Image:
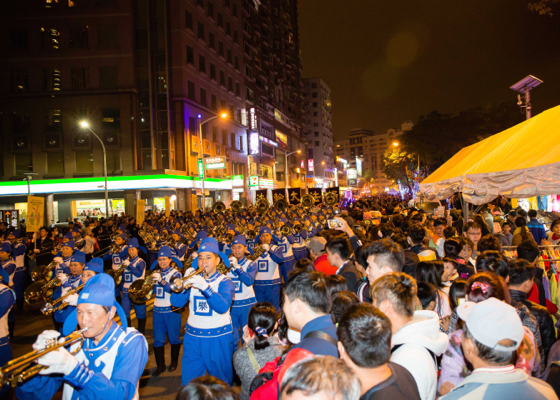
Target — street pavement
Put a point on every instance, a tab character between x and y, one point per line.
29	324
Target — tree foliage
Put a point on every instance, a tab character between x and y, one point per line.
437	137
543	7
400	165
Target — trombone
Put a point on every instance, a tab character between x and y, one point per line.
50	308
24	367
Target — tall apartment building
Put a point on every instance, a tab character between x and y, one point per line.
370	148
152	78
274	91
319	135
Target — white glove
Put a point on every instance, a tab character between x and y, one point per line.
44	339
65	290
126	262
58	260
59	362
198	282
72	299
156	276
265	247
63	278
233	262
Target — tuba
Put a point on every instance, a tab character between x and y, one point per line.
262	206
141	290
331	199
280	206
285	230
307	201
218	207
236	206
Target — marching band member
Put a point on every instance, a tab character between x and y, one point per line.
268	281
92	268
193	248
298	247
285	243
224	246
242	274
7	300
9	266
63	258
208	336
69	282
136	268
180	248
119	256
110	362
18	254
166	320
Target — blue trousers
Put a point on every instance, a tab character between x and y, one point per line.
126	304
5	356
270	293
239	316
207	354
167	324
286	267
19	277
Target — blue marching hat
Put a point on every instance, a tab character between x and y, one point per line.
165	251
201	235
16	233
133	242
69	236
4	276
210	245
100	290
7	247
265	229
69	243
79	257
95	265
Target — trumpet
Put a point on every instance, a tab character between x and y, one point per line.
50	308
24	367
177	284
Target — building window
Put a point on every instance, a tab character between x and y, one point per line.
224	137
200	3
18	39
234	10
80	78
55	163
20	80
203	96
190	88
113	160
220	48
78	37
211	42
107	36
210	10
23	163
201	31
314	104
248	50
232	138
235	36
83	161
316	134
240	143
201	64
314	95
108	77
188	20
220	20
215	134
212	71
315	113
222	105
190	55
230	84
315	124
228	29
229	57
317	143
50	38
237	89
248	72
222	79
236	63
214	101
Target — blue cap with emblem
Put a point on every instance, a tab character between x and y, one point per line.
78	257
199	236
210	245
266	229
69	243
69	236
99	290
165	251
95	265
7	247
239	239
133	242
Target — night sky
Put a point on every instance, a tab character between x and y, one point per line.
390	61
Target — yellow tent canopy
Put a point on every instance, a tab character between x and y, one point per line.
520	162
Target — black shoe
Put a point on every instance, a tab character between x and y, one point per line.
175	350
142	326
159	353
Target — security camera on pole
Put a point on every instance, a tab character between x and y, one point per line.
524	87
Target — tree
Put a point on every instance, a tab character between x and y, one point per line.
399	164
543	7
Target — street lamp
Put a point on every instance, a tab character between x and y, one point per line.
395	144
223	115
85	125
286	155
524	87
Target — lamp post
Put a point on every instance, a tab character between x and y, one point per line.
524	87
222	115
85	124
286	155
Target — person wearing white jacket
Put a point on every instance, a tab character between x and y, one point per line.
417	340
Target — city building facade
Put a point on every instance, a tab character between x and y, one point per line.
319	134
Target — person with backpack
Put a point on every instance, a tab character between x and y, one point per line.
260	347
416	338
